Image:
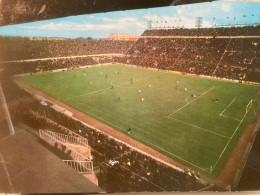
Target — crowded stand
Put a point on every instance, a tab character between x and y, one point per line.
48	65
232	31
32	48
235	58
231	58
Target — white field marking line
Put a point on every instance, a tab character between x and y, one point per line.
7	173
230	139
188	124
189	96
227	106
251	107
170	153
221	114
192	101
254	110
230	117
251	101
186	99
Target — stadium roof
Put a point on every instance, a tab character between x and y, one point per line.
21	11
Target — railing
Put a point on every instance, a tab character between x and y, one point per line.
84	167
47	136
72	133
68	138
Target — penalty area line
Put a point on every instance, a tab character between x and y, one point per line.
229	141
191	125
230	117
191	101
227	107
189	96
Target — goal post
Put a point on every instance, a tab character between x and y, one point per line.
249	106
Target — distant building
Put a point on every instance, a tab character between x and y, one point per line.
123	37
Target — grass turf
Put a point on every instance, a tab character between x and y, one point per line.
199	131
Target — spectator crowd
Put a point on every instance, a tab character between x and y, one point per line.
232	31
21	48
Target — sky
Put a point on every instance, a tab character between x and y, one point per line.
136	21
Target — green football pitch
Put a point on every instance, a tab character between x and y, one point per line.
197	126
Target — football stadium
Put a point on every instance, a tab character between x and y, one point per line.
174	109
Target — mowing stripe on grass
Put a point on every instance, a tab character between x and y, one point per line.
188	124
192	101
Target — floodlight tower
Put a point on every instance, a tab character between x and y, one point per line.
198	22
149	24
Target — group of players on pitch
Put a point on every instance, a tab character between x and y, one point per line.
139	91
